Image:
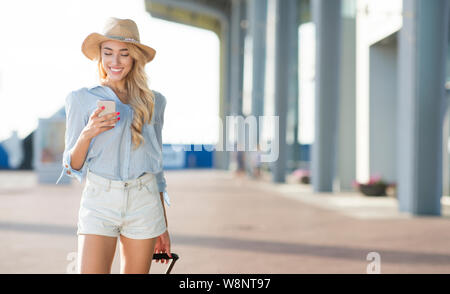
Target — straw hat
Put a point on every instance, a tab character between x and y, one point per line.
124	30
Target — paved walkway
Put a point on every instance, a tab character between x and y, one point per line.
220	224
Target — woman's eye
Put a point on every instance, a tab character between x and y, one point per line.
121	55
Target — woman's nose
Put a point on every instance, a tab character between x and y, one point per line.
116	60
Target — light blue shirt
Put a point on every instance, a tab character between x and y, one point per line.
111	153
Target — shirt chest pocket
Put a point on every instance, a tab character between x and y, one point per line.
103	144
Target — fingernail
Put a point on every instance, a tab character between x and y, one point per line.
103	107
118	118
118	113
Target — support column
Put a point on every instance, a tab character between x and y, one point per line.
238	14
221	156
284	80
292	124
446	129
257	29
238	28
256	35
445	157
346	163
422	57
327	18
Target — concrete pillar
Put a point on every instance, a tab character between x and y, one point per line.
285	81
238	25
445	155
446	129
292	124
256	56
346	163
422	57
257	28
327	19
221	156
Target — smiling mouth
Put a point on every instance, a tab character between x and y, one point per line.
116	70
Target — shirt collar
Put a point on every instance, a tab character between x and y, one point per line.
107	90
93	86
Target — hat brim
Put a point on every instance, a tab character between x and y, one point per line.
91	47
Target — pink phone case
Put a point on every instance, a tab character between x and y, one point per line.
110	107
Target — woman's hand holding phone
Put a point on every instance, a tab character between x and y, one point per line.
97	125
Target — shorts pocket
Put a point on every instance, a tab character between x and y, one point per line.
150	186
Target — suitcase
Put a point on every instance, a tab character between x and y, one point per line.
174	258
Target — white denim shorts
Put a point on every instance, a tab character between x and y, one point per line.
130	208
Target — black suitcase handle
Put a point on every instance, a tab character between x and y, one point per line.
174	258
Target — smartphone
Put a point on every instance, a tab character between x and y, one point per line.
110	107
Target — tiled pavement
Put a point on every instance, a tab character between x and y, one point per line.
222	224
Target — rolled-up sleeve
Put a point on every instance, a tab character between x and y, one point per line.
75	122
159	122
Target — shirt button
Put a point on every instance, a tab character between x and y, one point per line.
68	172
126	184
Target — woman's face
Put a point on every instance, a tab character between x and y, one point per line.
116	60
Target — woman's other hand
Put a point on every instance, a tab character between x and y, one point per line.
163	246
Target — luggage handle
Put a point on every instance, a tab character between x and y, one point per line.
174	258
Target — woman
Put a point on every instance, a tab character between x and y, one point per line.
121	156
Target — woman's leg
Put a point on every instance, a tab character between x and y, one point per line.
95	253
136	255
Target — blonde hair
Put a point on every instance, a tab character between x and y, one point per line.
141	98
